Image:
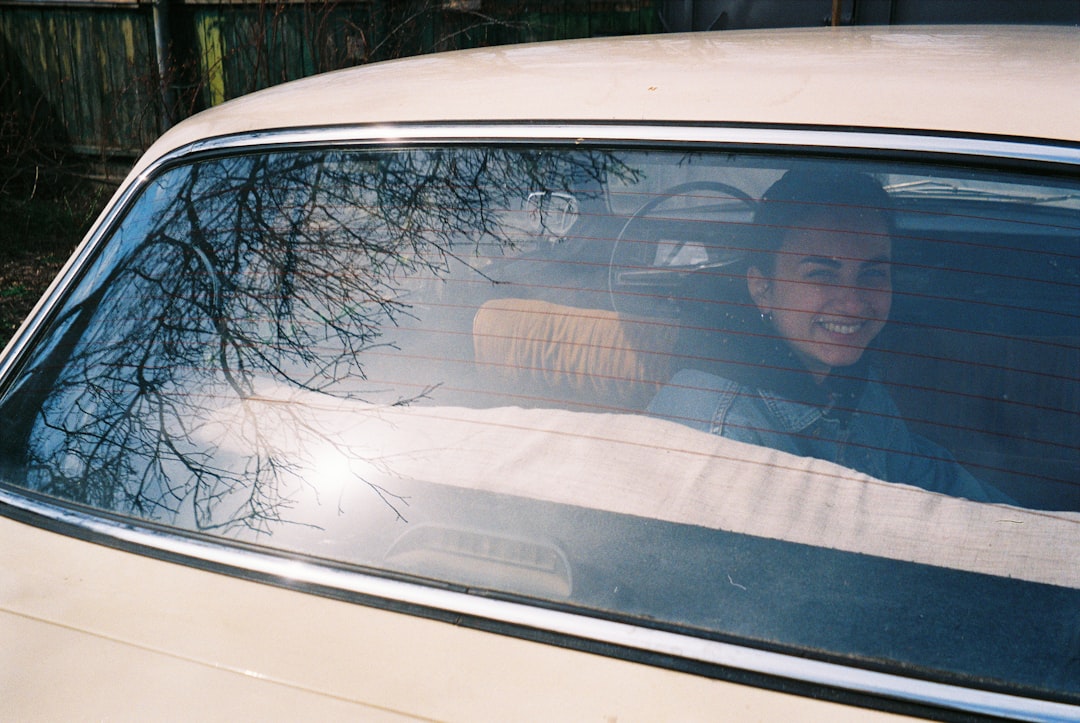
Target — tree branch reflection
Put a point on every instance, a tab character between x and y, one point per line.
287	267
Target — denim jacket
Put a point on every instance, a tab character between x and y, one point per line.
871	438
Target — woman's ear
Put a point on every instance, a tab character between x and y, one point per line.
760	288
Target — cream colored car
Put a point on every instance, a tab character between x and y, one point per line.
692	377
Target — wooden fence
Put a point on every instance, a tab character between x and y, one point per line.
105	78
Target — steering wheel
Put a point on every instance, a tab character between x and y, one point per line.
728	195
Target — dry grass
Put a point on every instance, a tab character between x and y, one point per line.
36	237
22	282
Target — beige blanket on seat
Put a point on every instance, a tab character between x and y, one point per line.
652	468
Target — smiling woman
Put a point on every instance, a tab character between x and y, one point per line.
820	276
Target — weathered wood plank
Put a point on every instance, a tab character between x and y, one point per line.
88	69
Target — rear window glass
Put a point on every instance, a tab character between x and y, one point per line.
820	405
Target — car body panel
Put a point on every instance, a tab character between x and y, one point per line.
918	78
175	638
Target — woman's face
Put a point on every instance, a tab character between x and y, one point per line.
831	287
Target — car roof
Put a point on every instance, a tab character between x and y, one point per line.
1018	81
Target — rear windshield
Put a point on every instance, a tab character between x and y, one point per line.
825	406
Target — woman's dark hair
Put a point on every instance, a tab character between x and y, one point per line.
803	192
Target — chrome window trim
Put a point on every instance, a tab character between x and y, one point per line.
773	664
836	139
289	572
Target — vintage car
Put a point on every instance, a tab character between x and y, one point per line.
687	377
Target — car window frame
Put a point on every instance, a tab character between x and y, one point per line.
656	646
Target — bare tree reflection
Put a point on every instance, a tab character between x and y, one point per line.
288	266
